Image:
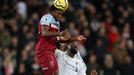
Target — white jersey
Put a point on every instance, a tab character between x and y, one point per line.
80	58
68	65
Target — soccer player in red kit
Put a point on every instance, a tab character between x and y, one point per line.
48	30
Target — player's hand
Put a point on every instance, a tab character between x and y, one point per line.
81	38
93	72
64	38
64	33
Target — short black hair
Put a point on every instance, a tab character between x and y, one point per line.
53	8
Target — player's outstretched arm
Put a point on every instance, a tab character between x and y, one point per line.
47	33
71	38
77	38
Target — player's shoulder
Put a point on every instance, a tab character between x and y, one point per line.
81	64
58	52
47	16
79	60
46	19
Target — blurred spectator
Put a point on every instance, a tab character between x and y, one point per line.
92	63
5	39
24	63
7	8
130	49
89	39
107	25
90	8
99	50
8	63
8	66
36	68
14	43
102	35
113	37
12	26
22	9
22	69
75	3
126	32
95	25
127	68
1	25
119	52
109	66
72	28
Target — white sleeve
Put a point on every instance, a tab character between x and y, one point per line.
46	20
58	53
78	56
81	71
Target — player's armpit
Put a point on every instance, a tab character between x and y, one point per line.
47	33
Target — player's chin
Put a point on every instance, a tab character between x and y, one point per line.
74	51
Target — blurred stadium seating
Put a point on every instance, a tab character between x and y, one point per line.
107	25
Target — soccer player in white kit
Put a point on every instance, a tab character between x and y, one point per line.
70	62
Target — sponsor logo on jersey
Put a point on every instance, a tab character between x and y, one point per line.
46	68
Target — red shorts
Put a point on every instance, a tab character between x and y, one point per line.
47	62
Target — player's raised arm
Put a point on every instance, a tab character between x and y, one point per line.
77	38
47	33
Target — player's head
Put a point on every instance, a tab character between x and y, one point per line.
58	7
73	47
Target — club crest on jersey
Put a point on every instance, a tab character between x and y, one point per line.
52	63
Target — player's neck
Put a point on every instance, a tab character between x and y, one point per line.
70	54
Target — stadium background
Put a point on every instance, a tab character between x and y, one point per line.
107	24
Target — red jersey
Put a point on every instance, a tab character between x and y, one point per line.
47	43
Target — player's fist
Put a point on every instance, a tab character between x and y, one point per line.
64	38
64	33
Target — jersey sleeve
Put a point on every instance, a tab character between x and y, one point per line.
46	20
82	70
58	53
78	56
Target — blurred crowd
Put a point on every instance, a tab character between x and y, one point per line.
107	25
